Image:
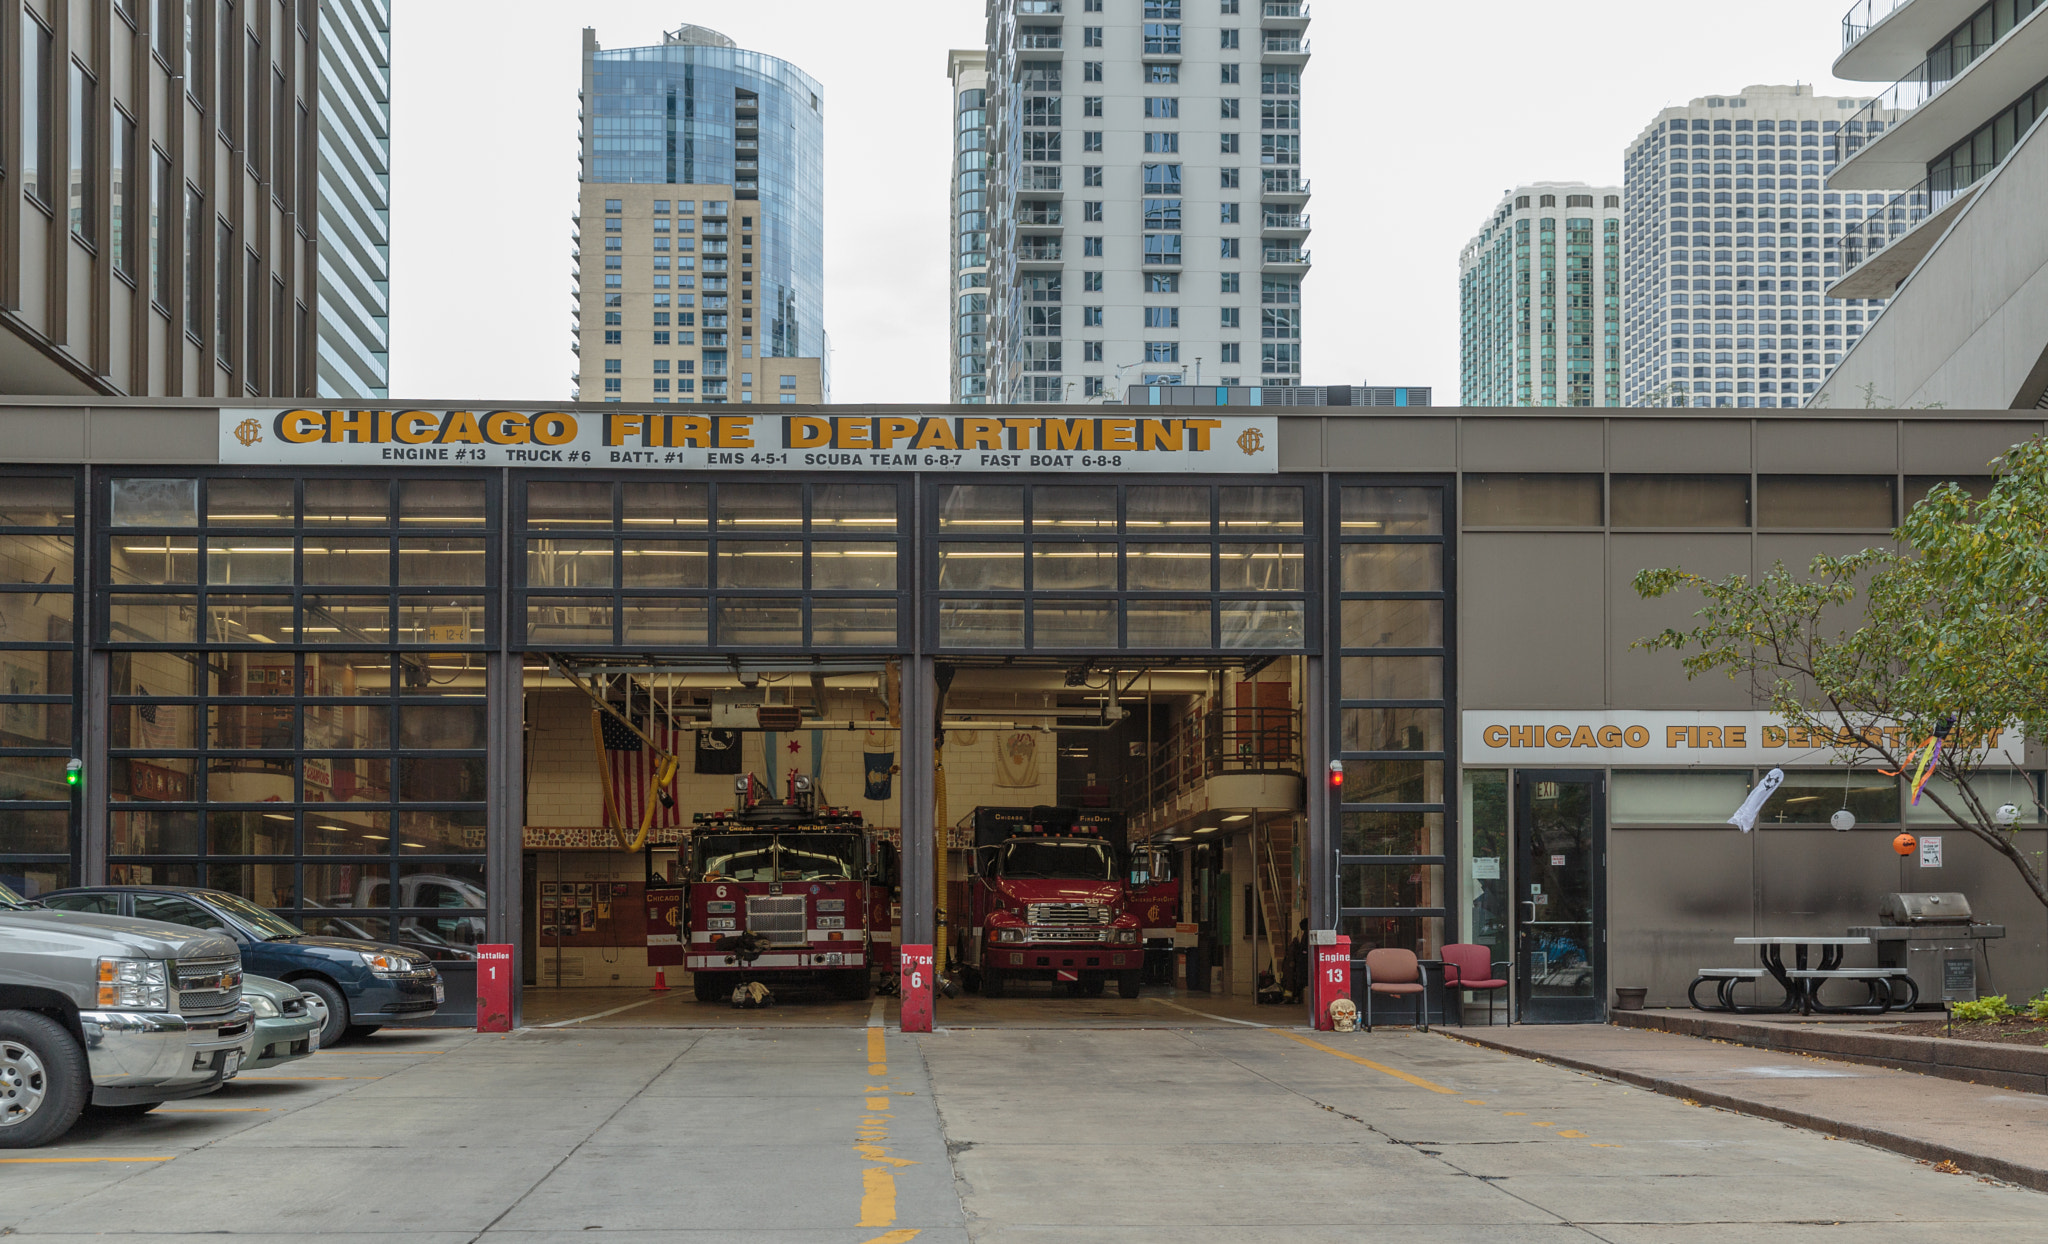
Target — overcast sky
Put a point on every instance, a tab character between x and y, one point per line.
1414	121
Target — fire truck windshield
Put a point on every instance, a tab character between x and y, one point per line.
1076	858
821	857
736	857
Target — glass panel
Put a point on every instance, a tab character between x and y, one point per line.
436	727
350	886
981	567
1167	624
1692	797
569	563
152	559
36	559
154	833
1394	730
1067	508
1422	934
347	620
348	727
659	506
867	623
1555	879
37	725
1810	798
1390	885
1992	787
666	563
981	623
777	622
855	509
1392	511
249	619
348	503
1168	567
1256	511
667	622
27	832
37	501
432	562
266	885
34	880
981	509
249	833
761	564
249	779
1260	567
347	779
1393	781
1393	623
777	507
1393	567
846	566
1918	486
130	619
250	561
159	673
154	503
1484	828
233	502
1073	624
442	832
441	502
569	504
347	562
440	779
173	909
347	673
1532	501
1177	510
229	727
1073	567
335	831
366	928
1681	500
569	619
1832	502
1265	624
156	780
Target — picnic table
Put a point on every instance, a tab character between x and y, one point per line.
1801	981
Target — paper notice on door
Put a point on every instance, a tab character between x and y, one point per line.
1557	861
1930	852
1486	868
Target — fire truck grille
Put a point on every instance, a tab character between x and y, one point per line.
1089	916
780	919
1090	933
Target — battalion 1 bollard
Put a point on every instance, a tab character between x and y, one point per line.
1332	975
494	988
916	1012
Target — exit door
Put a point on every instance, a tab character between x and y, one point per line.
1560	912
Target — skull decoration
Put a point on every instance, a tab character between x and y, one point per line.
1344	1015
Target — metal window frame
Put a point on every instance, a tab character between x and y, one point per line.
71	856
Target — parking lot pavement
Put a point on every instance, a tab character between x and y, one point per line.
850	1135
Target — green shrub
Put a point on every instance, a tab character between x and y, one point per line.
2038	1008
1983	1009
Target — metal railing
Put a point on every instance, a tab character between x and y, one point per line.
1287	45
1865	14
1032	250
1039	216
1285	8
1284	182
1286	254
1912	91
1035	8
1039	43
1906	211
1286	220
1206	745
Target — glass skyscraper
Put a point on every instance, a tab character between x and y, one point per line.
1539	293
719	124
355	198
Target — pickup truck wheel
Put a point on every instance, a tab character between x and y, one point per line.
1127	984
336	1026
991	983
44	1082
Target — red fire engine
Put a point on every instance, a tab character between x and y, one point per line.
1050	899
788	891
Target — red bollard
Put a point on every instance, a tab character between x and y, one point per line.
916	1014
494	988
1332	976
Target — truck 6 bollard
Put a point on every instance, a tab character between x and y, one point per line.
1049	900
915	1014
1332	976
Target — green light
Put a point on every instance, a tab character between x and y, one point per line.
74	773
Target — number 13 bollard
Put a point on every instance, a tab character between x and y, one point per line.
916	1015
1332	975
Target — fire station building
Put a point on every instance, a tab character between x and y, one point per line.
1371	671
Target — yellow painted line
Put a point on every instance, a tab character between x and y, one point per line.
272	1079
904	1236
1514	1112
878	1053
877	1198
875	1153
1395	1072
218	1110
878	1103
1472	1101
72	1161
1598	1145
1533	1123
1573	1135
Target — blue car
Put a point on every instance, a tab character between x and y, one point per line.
363	984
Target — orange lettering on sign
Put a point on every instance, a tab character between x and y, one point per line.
1495	736
937	434
736	432
1610	736
806	431
1583	737
1674	736
1560	736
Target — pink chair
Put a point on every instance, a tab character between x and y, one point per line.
1471	967
1394	972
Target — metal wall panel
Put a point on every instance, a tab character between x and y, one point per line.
1532	444
1371	443
1691	446
1525	640
1675	899
1655	680
1828	446
1964	448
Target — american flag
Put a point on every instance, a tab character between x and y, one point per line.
630	764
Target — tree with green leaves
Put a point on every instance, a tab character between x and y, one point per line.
1944	636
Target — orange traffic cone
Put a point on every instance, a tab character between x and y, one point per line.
660	981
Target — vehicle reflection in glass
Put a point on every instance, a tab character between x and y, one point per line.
1078	858
736	857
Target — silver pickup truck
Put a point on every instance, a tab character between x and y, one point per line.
109	1012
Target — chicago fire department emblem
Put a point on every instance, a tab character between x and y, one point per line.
1252	441
248	431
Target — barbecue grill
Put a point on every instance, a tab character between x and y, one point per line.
1933	937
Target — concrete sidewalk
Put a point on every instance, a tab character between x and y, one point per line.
1981	1128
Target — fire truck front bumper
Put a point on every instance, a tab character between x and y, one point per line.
776	961
1063	962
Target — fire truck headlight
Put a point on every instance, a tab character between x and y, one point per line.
1126	937
1010	935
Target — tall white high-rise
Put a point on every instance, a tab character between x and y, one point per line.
1145	215
967	297
355	198
1731	246
1539	299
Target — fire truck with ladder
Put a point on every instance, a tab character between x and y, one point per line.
788	891
1050	899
